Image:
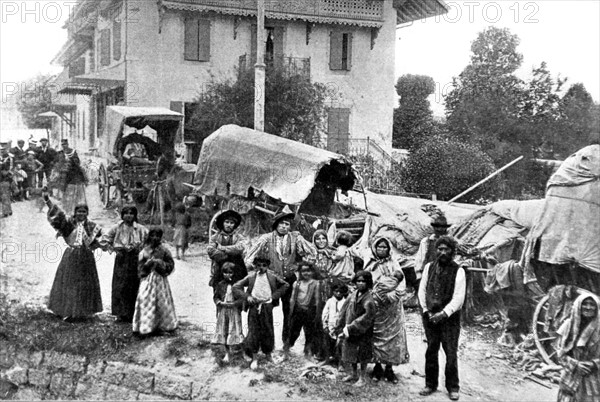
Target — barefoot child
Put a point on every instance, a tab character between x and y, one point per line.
229	312
355	328
329	318
154	307
182	221
303	309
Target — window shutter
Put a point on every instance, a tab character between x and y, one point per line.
117	40
204	40
191	33
105	47
253	34
335	51
338	130
349	66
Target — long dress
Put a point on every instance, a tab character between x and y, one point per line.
579	343
389	332
323	265
229	318
127	242
5	193
154	307
72	179
76	288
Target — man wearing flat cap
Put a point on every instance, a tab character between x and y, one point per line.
285	248
227	246
47	155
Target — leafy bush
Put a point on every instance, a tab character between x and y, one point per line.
446	167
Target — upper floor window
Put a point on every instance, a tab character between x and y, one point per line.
105	47
340	51
197	39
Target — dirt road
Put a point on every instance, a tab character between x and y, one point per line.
30	256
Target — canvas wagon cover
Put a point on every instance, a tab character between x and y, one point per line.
242	157
568	229
117	115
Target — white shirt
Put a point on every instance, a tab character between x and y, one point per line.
458	297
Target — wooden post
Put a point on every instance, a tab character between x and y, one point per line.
259	69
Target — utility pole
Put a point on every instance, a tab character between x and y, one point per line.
259	69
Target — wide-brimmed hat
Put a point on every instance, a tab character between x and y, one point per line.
440	221
229	214
285	213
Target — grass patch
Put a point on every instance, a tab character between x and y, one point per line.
35	329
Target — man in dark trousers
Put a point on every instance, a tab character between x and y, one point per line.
284	248
47	156
441	295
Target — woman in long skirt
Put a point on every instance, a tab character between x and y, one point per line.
76	289
126	239
154	307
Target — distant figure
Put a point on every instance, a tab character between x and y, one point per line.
72	179
6	183
47	156
19	152
32	166
182	222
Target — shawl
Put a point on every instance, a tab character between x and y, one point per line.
572	335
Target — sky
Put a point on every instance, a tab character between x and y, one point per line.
564	33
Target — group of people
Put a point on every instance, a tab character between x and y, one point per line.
349	308
23	169
140	289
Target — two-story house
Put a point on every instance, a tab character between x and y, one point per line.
162	53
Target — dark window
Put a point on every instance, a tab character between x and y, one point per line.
117	40
105	47
197	39
77	67
340	52
338	130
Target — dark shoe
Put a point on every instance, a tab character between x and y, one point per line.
453	395
390	376
377	373
427	391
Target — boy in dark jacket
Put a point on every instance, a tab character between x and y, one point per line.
263	290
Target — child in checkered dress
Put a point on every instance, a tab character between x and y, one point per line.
154	307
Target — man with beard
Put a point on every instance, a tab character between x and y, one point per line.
284	248
441	295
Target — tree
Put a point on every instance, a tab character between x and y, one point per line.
413	118
294	107
445	166
579	120
35	98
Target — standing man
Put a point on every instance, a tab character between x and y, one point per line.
284	249
19	153
441	295
47	156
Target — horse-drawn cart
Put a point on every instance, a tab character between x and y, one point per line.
138	147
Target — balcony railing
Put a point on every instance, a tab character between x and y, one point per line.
291	65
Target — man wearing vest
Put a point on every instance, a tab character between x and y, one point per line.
441	295
284	248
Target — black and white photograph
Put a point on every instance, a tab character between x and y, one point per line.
300	200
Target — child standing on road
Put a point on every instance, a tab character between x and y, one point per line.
303	309
329	318
229	312
182	221
154	307
20	177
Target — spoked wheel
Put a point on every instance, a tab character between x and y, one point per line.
103	186
546	339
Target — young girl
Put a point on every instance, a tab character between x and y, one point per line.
329	318
21	178
343	261
303	309
154	308
355	328
229	312
182	221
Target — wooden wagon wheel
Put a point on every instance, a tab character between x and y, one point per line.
545	339
103	186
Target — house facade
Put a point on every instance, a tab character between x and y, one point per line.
163	53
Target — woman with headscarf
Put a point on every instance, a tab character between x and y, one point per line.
322	267
389	335
126	239
579	352
76	289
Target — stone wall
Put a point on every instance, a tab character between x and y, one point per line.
52	375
